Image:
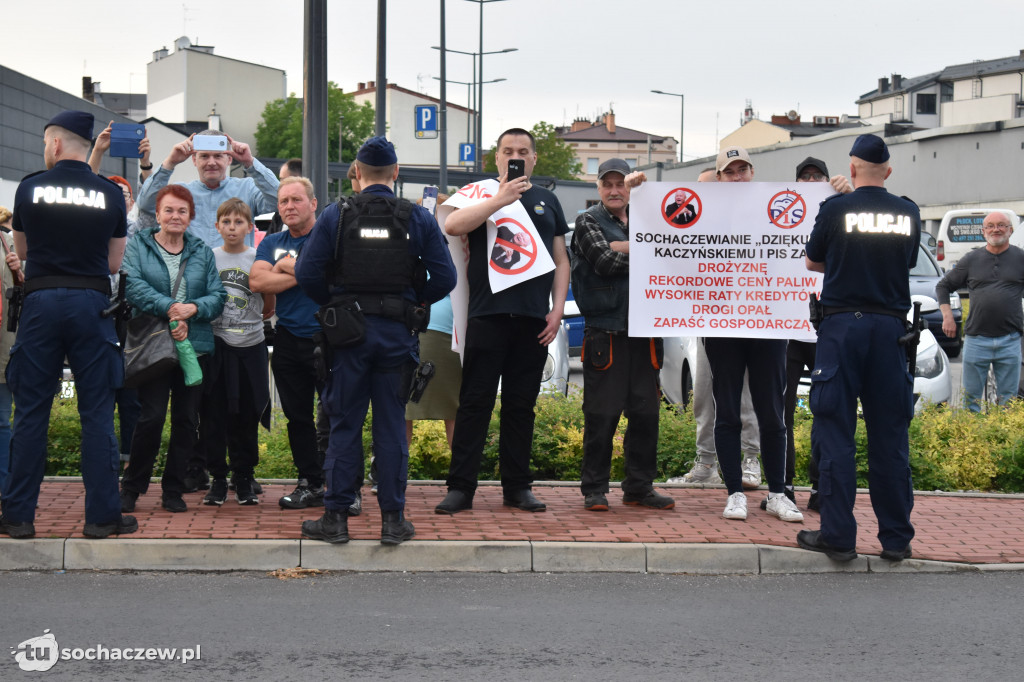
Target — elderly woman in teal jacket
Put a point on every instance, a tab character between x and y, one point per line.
152	262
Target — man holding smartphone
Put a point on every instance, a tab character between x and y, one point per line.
507	333
213	152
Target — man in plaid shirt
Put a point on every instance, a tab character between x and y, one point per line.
620	373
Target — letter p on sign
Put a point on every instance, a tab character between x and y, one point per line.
426	121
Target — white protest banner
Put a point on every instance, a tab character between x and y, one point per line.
722	259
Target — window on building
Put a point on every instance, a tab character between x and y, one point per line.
946	92
592	165
925	103
630	146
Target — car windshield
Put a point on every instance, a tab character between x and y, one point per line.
925	267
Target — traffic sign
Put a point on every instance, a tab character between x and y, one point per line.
426	121
467	154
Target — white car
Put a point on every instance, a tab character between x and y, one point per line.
556	367
932	379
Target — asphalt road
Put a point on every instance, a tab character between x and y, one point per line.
524	626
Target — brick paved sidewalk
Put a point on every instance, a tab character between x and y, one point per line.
972	529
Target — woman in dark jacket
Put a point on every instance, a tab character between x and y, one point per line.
152	261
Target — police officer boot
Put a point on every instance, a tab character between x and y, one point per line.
331	527
395	528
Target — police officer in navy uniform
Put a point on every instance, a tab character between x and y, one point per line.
865	243
70	229
368	259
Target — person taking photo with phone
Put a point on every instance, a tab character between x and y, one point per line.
213	152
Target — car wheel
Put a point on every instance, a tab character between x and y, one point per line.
686	385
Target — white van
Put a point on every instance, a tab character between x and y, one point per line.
960	232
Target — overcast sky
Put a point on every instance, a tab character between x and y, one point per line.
574	58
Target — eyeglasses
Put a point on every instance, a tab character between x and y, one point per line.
813	177
993	226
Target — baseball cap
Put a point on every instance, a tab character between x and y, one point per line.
78	122
613	166
730	154
811	161
871	148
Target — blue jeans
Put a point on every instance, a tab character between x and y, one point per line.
1003	354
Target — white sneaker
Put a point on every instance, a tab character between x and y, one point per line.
751	473
783	508
736	507
700	473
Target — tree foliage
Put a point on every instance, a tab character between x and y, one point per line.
279	134
555	158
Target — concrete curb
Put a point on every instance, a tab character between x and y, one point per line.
449	556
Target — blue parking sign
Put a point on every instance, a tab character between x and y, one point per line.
467	154
426	121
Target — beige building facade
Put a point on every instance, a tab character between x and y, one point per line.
596	142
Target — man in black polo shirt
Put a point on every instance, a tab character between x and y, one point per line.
506	337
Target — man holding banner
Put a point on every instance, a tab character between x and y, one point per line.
764	360
620	371
510	323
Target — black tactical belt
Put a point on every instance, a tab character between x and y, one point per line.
826	311
390	306
100	284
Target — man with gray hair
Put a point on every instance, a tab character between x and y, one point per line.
995	277
620	371
214	186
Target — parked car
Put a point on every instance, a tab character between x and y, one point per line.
923	279
932	379
556	367
960	232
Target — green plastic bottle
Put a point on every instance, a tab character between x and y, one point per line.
188	360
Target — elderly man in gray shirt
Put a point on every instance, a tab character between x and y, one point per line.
994	276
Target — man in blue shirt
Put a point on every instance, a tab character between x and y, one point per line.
374	270
214	186
292	360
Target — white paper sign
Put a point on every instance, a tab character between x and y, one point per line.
722	259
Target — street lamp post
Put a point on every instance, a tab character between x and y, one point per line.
682	114
479	82
469	85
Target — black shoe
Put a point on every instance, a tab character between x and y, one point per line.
218	493
195	480
25	529
395	528
256	487
811	539
173	502
303	496
331	527
896	554
454	502
126	524
244	492
595	502
128	498
524	499
356	508
650	499
814	502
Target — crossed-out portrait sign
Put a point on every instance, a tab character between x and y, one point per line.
737	269
681	207
514	247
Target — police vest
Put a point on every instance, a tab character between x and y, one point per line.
371	254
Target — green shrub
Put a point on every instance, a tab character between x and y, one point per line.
949	449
